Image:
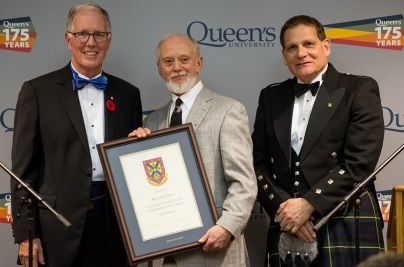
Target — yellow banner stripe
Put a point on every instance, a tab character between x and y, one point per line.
334	33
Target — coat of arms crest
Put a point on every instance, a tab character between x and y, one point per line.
155	171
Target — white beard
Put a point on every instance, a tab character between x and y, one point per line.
181	88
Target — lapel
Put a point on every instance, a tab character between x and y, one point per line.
282	109
70	102
200	108
328	99
110	117
163	116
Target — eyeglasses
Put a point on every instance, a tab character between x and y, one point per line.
84	36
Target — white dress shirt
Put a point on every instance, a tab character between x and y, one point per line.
301	114
188	100
92	108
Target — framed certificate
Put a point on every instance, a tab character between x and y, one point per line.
159	191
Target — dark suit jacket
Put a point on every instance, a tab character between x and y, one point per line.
342	143
50	151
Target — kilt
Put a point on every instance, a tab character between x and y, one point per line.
336	239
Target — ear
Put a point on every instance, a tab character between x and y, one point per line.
200	63
284	57
327	47
109	39
68	38
158	68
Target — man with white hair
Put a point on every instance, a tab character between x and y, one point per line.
60	118
222	132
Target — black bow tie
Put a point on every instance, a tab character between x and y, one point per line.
301	88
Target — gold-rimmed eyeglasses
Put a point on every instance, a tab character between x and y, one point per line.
84	36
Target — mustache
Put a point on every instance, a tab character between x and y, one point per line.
178	75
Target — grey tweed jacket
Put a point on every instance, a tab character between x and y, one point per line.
222	132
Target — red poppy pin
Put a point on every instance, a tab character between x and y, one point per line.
111	106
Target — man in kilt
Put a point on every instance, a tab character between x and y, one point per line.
316	136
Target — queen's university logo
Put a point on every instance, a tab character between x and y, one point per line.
17	34
155	171
380	32
5	208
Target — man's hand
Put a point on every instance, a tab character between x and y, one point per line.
293	213
306	232
140	132
216	238
37	253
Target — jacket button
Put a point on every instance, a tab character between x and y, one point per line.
89	174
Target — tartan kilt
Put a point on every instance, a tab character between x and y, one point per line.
336	239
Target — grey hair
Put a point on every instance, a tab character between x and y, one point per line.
86	5
195	44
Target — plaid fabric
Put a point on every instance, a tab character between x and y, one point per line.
336	239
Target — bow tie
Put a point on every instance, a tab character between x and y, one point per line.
301	88
78	82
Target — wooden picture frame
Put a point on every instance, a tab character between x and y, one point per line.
160	192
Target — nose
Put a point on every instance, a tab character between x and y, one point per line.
177	66
301	52
91	40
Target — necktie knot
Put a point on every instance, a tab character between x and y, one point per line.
178	103
301	89
78	82
176	116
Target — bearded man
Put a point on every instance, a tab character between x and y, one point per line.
222	132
